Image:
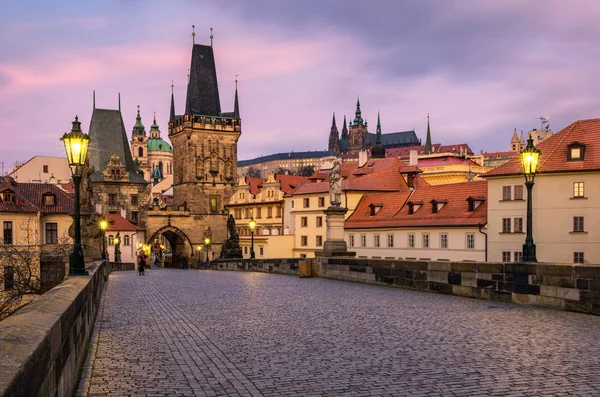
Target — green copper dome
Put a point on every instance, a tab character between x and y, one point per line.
159	145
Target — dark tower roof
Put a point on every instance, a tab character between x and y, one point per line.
378	150
334	137
333	126
358	120
107	136
344	129
428	141
203	91
172	116
236	105
138	128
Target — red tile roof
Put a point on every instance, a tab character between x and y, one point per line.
67	187
119	224
28	198
255	184
289	182
445	160
553	156
500	154
395	212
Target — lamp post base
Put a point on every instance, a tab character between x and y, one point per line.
529	254
76	263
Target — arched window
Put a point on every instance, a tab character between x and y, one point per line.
111	240
160	166
140	152
126	240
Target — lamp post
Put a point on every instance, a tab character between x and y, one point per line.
103	224
252	226
207	244
529	160
76	145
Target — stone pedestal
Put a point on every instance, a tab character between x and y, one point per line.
335	245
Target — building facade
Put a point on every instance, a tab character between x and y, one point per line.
42	169
286	163
151	152
565	208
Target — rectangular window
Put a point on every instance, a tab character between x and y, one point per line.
363	240
51	233
578	224
518	225
214	204
376	240
319	241
505	225
443	240
258	212
319	221
306	202
245	250
518	192
304	241
351	237
292	203
45	169
304	221
134	199
505	256
112	199
49	199
470	241
261	251
9	278
279	212
390	240
7	235
578	257
426	241
135	216
302	255
321	201
269	212
518	256
506	192
578	189
411	240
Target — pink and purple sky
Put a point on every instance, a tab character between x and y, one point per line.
480	68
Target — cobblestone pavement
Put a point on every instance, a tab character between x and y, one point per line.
216	333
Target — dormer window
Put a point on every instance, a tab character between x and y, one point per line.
49	199
375	208
474	202
437	205
413	206
8	196
575	151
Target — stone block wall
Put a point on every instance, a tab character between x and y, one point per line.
43	345
558	286
280	266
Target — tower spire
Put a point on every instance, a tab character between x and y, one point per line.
428	141
358	120
378	150
172	115
211	36
138	128
344	129
119	101
193	35
333	125
94	99
334	137
236	105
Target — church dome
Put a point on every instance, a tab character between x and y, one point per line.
378	151
159	145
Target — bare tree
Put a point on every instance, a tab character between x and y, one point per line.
20	266
307	170
253	172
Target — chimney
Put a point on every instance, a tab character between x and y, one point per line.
363	156
414	158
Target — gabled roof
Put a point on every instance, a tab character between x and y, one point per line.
395	214
29	198
255	184
119	224
107	136
203	91
553	156
391	139
290	182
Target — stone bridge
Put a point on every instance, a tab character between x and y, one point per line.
248	333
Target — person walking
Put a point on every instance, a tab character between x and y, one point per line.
141	264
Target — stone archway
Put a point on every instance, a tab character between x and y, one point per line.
180	244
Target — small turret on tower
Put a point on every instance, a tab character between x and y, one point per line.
514	142
378	150
334	137
138	128
428	148
236	105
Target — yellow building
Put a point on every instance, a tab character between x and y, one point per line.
565	200
263	200
445	168
35	219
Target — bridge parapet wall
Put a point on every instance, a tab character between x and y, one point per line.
43	345
559	286
280	266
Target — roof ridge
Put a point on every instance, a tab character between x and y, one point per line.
570	128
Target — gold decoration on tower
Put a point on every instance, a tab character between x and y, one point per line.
193	34
211	36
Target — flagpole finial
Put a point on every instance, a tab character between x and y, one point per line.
211	36
193	34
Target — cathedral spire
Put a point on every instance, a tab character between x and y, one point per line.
333	125
138	128
172	116
236	104
334	137
428	149
358	120
345	129
378	150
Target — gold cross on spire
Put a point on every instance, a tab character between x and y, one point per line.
211	36
193	34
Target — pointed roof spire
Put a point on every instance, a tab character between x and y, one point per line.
333	125
236	104
193	35
94	99
138	128
428	141
344	130
358	120
522	139
172	115
378	150
119	101
515	138
202	89
211	36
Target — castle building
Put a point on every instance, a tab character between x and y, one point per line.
117	188
204	164
150	153
357	137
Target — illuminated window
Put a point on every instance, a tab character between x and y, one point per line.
578	189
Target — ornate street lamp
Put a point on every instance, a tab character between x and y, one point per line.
207	244
103	225
76	145
529	160
252	226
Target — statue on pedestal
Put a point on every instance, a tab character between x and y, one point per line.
231	248
335	184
